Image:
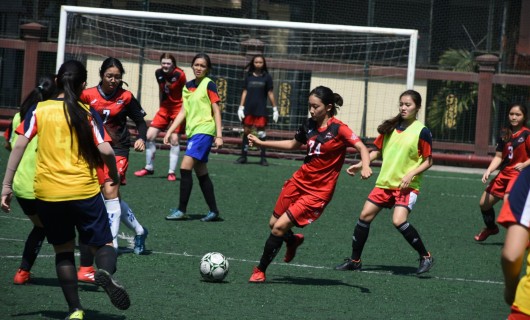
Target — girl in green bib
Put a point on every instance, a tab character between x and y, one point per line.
405	146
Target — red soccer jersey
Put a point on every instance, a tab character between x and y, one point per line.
514	151
170	86
114	110
326	151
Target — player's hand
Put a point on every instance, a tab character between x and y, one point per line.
485	176
241	113
167	139
253	140
275	114
139	145
519	167
354	168
218	142
7	196
405	181
366	173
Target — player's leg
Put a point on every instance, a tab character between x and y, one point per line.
112	204
487	201
244	144
33	242
263	136
272	246
208	192
174	152
129	219
186	185
150	150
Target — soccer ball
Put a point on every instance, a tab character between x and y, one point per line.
214	266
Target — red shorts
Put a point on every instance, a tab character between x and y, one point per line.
255	121
302	208
164	117
388	198
506	217
500	185
122	163
517	315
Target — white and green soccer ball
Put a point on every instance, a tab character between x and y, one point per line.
214	267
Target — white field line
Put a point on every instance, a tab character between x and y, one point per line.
306	266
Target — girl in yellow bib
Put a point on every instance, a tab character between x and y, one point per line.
72	145
405	146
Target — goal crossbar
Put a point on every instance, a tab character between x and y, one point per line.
411	33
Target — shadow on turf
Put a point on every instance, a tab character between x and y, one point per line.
192	217
313	282
53	282
397	270
49	314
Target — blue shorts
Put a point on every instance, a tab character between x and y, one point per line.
88	216
199	146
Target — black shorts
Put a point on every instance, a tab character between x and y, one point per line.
88	216
29	206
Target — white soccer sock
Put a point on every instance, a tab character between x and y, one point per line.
150	150
128	219
114	212
173	158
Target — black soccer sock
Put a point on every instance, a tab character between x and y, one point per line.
489	218
186	184
208	192
32	247
244	145
106	258
289	237
360	235
272	246
67	275
263	150
86	257
413	238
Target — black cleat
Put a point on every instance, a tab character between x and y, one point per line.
241	160
426	263
117	294
350	265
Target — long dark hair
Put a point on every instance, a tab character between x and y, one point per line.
390	124
506	133
71	79
327	96
250	66
46	89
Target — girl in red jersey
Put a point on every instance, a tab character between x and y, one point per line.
253	107
404	144
114	104
171	80
301	200
511	156
72	145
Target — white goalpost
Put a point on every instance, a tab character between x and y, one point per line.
368	66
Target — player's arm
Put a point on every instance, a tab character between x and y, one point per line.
12	164
178	120
494	164
512	256
218	140
276	144
137	114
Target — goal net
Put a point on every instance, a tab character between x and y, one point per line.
369	67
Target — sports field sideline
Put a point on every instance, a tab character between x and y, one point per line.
465	282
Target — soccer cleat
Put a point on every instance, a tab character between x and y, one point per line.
426	263
291	249
86	274
171	177
144	172
263	162
175	214
117	294
211	216
241	160
485	233
350	265
139	242
22	277
76	315
257	276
